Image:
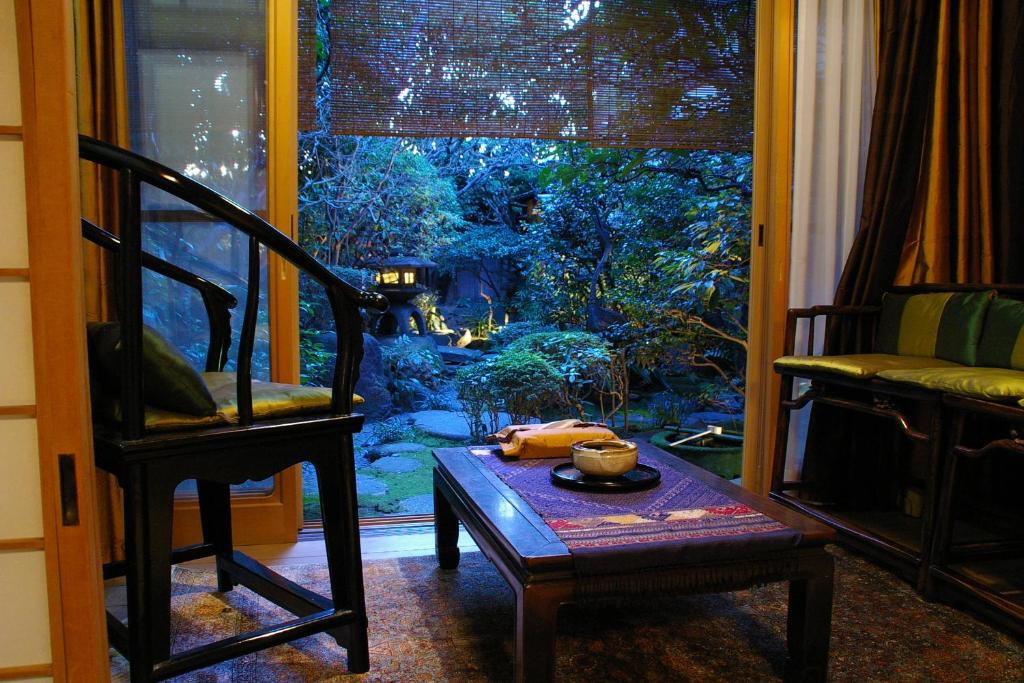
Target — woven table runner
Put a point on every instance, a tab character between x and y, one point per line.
679	521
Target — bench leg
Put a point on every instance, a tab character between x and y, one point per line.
536	626
446	530
809	624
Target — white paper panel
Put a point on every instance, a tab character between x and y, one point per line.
17	381
13	225
21	514
10	94
25	628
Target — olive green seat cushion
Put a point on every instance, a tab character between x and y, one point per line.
945	325
999	384
860	365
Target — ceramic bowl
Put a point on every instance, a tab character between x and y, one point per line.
610	458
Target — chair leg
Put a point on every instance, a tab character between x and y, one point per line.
336	480
148	503
215	515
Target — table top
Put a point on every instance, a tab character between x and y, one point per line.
527	540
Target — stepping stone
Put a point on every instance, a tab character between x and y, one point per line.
396	464
456	356
447	424
418	505
370	486
396	448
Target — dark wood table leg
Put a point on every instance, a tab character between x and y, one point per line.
809	624
446	529
536	626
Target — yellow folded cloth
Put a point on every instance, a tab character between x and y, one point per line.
549	440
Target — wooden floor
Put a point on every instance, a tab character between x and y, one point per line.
378	543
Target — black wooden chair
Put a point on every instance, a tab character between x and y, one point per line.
229	448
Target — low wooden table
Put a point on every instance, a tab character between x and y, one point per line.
540	568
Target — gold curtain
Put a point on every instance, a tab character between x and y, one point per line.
102	114
951	232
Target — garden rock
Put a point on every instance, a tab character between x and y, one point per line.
394	449
373	380
448	424
396	464
456	356
370	486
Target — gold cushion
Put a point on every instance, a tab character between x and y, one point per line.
860	365
155	419
999	384
269	400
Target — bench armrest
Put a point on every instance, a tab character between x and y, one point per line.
831	313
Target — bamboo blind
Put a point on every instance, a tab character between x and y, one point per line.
637	73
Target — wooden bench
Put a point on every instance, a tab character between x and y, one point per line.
922	396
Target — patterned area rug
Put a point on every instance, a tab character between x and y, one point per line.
430	625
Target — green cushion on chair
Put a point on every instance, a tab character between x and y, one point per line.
943	325
998	384
169	381
860	365
1002	340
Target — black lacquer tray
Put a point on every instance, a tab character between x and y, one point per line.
637	479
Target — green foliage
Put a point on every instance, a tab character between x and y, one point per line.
586	364
668	408
504	336
521	383
415	369
391	430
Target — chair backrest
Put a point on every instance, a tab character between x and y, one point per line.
345	300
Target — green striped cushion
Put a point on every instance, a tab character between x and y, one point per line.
1002	340
943	325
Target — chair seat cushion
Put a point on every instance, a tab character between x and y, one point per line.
269	400
859	365
1000	384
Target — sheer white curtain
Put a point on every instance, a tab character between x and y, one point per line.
835	87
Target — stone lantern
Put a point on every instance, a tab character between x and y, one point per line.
400	279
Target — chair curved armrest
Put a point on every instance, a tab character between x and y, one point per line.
223	209
217	300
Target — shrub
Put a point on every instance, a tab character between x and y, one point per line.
416	371
587	366
391	430
504	336
522	383
669	408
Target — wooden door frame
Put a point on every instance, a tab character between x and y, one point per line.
275	517
771	224
78	634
